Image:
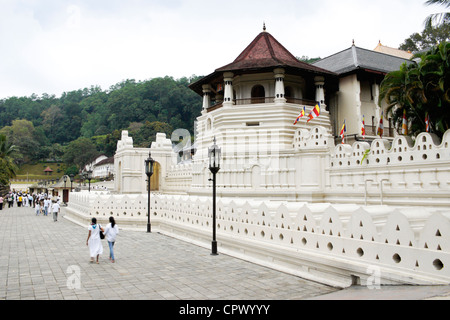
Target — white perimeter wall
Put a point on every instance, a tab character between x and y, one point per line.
333	244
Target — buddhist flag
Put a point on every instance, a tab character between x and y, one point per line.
315	112
343	131
301	115
363	128
380	126
427	123
404	123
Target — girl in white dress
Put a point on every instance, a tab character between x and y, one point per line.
93	240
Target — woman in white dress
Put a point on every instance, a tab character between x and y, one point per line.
93	240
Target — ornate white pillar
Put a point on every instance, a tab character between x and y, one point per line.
320	92
206	98
228	94
279	86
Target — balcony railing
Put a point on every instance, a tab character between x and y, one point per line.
248	101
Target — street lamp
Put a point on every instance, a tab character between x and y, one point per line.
65	179
89	177
214	166
149	163
71	181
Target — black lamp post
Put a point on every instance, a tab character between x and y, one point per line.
89	177
65	179
149	163
214	166
71	181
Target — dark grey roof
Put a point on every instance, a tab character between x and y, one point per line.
356	58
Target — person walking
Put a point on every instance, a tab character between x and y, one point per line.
37	208
111	232
46	205
25	200
19	200
10	200
55	209
93	240
30	200
1	202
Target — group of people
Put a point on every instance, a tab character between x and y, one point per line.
43	204
19	198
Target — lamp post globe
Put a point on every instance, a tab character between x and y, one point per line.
214	154
149	167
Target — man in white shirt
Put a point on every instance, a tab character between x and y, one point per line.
55	209
47	202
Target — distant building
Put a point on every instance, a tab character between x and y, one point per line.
393	51
104	169
48	171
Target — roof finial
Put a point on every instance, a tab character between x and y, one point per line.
264	26
353	42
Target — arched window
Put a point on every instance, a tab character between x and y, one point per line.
258	94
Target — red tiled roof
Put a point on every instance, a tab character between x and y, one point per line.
266	52
48	169
263	53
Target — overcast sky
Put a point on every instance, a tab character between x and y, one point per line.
52	46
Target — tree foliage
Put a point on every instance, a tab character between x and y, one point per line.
421	88
441	17
430	36
8	168
80	152
45	127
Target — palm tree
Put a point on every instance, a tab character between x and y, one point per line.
8	168
403	90
438	18
421	88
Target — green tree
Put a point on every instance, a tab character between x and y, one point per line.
146	134
8	168
80	152
50	117
430	36
26	138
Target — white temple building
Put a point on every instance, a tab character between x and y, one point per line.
292	196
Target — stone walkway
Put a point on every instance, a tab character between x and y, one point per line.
45	260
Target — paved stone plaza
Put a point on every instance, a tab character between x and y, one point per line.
45	260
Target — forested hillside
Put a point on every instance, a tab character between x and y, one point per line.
84	123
